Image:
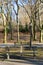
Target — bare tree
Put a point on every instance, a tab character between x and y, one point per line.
30	16
16	13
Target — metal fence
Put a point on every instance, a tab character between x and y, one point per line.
23	51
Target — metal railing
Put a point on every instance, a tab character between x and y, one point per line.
23	50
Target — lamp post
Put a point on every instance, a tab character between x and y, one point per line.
30	28
31	25
17	20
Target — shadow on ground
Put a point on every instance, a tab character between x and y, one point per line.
33	61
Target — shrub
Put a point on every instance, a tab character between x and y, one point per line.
26	27
20	28
23	29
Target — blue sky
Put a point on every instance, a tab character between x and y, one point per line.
12	13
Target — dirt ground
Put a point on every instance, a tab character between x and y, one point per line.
24	37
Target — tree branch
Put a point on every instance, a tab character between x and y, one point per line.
24	8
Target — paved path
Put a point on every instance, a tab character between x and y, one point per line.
21	62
